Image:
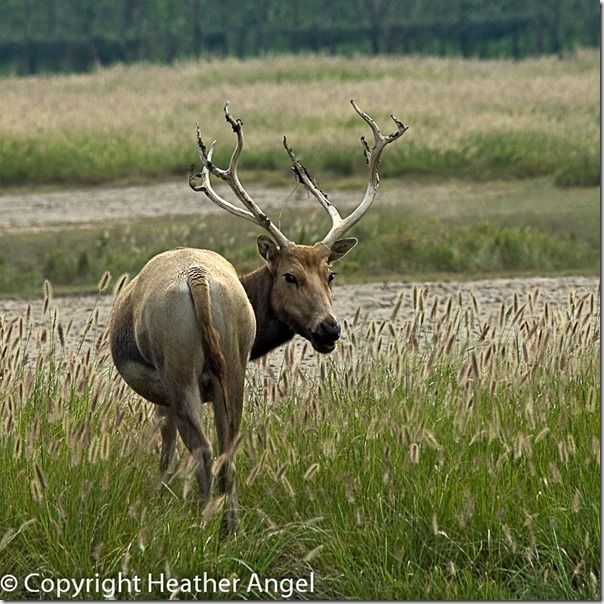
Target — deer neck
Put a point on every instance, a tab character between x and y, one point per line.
270	330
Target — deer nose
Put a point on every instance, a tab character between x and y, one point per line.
329	330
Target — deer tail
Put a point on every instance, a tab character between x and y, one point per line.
199	286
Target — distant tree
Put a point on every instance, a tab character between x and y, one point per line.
196	41
378	13
31	63
126	24
76	34
51	18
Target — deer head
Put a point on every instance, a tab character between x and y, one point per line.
296	282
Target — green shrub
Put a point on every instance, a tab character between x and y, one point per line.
580	170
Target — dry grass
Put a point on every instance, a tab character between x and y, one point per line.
451	105
452	96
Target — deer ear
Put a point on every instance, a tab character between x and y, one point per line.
341	248
267	248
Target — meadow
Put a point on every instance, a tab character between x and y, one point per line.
416	230
451	451
469	118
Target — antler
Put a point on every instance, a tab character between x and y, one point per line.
372	156
253	213
309	182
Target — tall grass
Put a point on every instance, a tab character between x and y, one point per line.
454	454
471	118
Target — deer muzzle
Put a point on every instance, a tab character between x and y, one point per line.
325	335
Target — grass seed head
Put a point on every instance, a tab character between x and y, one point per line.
313	553
36	490
104	282
311	471
414	453
47	294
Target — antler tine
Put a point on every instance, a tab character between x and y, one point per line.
366	149
237	126
253	213
380	141
400	128
309	182
206	156
370	121
372	156
206	187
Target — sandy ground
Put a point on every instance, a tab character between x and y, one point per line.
30	211
27	212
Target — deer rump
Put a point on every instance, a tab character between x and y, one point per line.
181	322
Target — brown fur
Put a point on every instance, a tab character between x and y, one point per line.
273	332
183	330
284	308
198	280
181	333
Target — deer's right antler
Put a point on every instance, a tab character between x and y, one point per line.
372	155
201	182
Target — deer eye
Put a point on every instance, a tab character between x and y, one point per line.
290	278
331	277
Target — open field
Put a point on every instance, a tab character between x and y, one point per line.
417	229
470	118
450	448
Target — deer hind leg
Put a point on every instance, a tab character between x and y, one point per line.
145	380
227	428
187	413
168	439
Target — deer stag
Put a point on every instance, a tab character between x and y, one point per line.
183	330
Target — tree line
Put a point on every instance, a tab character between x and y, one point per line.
75	35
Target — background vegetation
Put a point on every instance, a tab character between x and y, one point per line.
76	35
471	121
468	118
416	231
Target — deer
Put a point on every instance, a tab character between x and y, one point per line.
183	329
